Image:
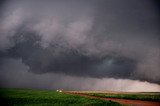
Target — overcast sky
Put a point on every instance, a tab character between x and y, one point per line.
80	44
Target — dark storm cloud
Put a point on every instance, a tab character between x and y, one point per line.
107	38
14	74
58	59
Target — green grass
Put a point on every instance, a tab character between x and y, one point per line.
24	97
132	96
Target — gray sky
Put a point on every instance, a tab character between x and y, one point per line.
96	40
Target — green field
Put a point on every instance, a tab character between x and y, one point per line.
132	96
24	97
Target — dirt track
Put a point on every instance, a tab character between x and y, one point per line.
121	101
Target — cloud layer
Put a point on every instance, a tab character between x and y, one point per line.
98	39
11	76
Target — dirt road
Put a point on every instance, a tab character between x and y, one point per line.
121	101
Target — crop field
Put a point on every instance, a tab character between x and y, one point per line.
24	97
133	96
125	98
147	96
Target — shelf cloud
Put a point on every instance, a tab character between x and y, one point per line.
105	39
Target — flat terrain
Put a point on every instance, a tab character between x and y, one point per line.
132	98
24	97
147	96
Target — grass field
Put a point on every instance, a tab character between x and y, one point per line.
24	97
133	96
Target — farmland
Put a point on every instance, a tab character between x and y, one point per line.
132	96
26	97
125	98
29	97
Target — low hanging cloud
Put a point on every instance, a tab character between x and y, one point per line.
98	39
15	75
